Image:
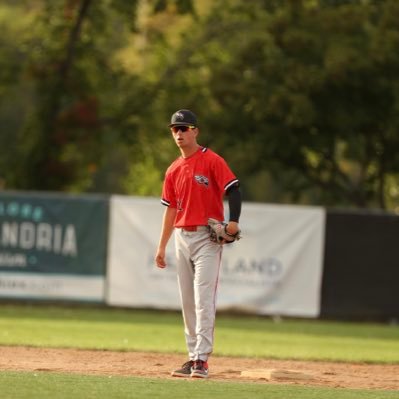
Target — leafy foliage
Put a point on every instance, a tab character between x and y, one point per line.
300	96
307	94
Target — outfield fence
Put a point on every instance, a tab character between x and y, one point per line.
294	261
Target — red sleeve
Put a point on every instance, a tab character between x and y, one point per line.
224	177
168	192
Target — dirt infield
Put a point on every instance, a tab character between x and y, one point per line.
154	365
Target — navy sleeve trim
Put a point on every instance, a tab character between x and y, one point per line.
231	183
164	202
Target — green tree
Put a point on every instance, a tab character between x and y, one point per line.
308	94
15	97
85	106
301	96
72	67
337	96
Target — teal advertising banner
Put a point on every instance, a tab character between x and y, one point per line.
53	246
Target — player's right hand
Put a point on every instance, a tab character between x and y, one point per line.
160	258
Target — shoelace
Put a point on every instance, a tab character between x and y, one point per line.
188	365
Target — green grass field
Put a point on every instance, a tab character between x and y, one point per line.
67	386
132	330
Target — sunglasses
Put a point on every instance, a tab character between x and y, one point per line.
183	129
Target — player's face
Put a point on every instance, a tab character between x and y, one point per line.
185	136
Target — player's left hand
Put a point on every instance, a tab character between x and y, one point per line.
232	228
222	233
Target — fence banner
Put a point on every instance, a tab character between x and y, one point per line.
53	246
275	269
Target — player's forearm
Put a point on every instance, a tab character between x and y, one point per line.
234	197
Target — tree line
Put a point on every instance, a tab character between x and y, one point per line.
300	96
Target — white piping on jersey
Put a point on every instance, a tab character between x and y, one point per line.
229	184
164	202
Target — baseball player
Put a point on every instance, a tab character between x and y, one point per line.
193	191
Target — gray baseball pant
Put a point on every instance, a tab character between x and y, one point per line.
198	265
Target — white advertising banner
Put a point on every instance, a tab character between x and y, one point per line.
275	269
52	286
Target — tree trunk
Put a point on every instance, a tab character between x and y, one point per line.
48	161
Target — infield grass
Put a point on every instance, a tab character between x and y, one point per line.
15	385
157	331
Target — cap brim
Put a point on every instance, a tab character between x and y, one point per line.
181	124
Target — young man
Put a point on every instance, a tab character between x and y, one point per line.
193	191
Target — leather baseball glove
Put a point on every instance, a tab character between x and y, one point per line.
219	234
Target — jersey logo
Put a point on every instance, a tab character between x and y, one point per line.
202	180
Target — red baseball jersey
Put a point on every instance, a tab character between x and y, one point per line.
196	186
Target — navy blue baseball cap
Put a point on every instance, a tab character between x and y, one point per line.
183	117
